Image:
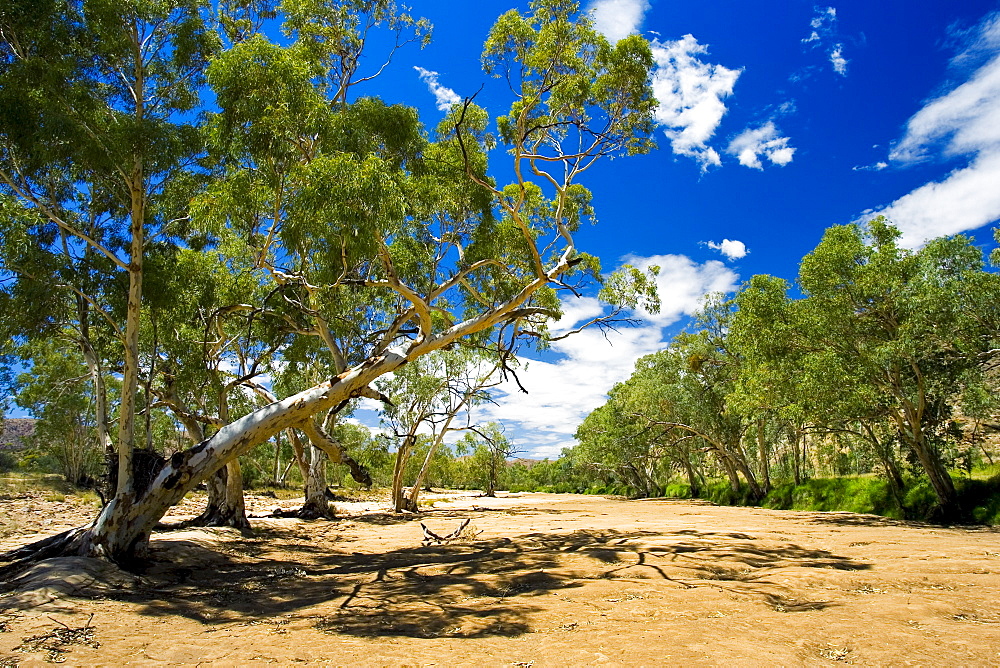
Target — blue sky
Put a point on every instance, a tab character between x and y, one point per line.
777	120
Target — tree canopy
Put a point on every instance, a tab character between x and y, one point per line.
291	229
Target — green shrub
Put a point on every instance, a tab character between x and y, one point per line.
8	461
920	502
979	500
677	490
780	497
720	492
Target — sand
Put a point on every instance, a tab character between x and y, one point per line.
536	580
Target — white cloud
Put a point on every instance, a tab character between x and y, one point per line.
731	248
824	32
751	144
876	167
575	312
838	61
823	24
963	122
616	19
690	94
562	392
444	96
683	283
966	199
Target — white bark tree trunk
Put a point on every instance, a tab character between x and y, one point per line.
316	505
122	529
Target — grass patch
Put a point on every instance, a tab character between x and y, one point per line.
856	495
978	497
56	484
283	493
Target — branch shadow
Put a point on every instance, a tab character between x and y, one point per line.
479	588
859	520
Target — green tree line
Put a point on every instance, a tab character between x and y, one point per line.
878	361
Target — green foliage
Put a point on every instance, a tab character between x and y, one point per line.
858	495
677	490
722	493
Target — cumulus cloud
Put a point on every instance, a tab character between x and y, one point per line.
616	19
690	93
444	96
964	122
753	143
731	248
562	392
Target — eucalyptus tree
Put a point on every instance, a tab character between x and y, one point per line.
96	139
616	448
489	454
692	381
898	330
59	395
398	244
674	407
429	395
784	374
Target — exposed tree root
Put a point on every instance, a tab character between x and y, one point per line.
67	543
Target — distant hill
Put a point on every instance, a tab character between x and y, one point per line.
526	462
14	432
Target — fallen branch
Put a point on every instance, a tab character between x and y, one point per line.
431	538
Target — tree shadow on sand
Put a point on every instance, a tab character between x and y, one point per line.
474	589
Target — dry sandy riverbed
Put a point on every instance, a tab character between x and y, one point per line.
550	580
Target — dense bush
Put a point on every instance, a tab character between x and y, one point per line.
978	499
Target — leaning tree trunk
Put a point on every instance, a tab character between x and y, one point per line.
410	503
730	468
911	431
122	529
937	473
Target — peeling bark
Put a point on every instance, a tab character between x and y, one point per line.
121	531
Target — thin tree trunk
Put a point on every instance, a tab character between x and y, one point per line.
299	451
316	505
730	469
411	502
691	476
892	472
276	471
765	465
136	183
402	457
